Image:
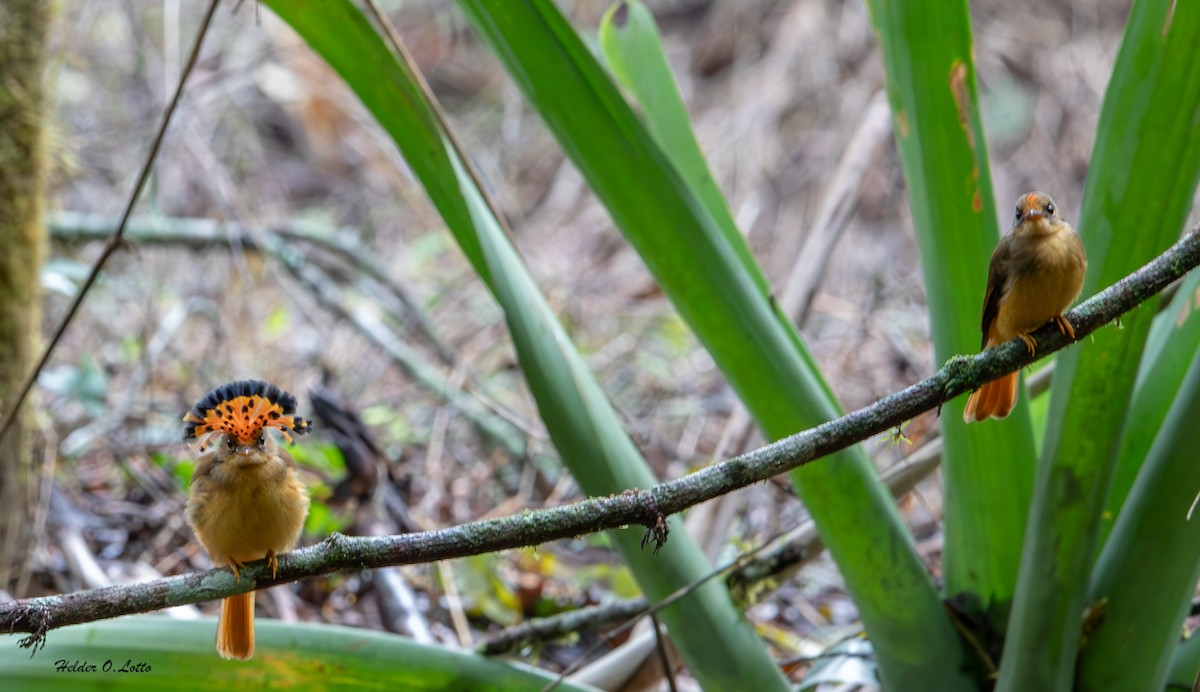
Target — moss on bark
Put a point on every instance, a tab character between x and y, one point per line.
23	28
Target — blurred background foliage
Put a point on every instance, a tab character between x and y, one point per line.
331	271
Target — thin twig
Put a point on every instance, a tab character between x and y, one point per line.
114	241
802	544
76	227
474	407
646	507
671	598
660	645
555	626
277	241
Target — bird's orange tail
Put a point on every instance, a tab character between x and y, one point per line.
235	629
995	399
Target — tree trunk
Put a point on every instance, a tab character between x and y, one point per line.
23	26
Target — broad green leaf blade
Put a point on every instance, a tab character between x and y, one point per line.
1185	664
630	42
927	50
167	654
718	644
1140	184
632	47
707	280
1147	572
1170	348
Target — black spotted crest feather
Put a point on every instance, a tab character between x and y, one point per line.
242	410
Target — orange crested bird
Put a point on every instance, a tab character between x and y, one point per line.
1035	274
246	500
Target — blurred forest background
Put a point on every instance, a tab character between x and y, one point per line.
270	141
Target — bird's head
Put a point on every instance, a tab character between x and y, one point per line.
1036	214
233	419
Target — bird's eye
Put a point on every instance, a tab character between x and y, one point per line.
1050	208
1019	213
229	443
262	439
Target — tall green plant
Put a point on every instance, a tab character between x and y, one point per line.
1143	173
650	175
701	268
927	50
1170	349
1144	588
719	645
989	468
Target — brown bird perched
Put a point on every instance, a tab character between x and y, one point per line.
246	500
1035	274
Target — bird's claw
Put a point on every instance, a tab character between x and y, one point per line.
235	565
273	562
1030	344
1064	326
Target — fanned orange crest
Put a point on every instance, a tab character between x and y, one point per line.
242	410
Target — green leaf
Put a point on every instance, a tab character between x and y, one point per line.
86	383
718	644
988	467
277	322
181	469
1185	664
1142	176
631	45
702	269
1147	573
325	457
322	521
170	654
483	592
1171	346
395	427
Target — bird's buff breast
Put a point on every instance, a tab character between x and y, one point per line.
1044	284
252	514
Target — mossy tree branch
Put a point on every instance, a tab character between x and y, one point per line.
646	507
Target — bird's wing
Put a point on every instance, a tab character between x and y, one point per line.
997	278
